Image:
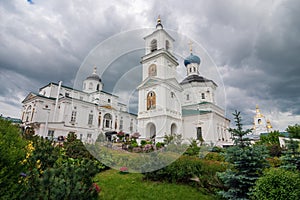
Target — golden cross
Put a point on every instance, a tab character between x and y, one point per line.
191	46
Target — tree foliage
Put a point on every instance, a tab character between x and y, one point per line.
238	133
277	184
12	152
294	131
247	164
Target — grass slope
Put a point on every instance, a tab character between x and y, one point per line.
132	186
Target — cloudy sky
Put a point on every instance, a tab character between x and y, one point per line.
255	46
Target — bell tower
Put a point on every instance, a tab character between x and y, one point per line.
158	60
159	110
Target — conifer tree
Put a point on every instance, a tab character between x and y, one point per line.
247	163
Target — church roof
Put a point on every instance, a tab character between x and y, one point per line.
94	77
192	59
195	78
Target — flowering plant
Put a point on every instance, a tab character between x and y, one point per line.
96	187
123	170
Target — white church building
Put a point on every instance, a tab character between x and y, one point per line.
166	106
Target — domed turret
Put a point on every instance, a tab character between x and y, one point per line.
92	83
192	59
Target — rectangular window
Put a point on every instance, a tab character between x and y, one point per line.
81	136
187	97
89	135
73	116
121	124
199	134
131	126
67	94
202	95
90	121
50	134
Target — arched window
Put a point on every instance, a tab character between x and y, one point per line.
173	129
28	113
152	70
151	100
97	87
167	45
90	86
153	44
107	121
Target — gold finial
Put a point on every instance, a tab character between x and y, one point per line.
257	106
191	46
159	25
158	20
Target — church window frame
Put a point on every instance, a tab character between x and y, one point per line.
187	97
90	119
202	95
153	45
91	86
151	100
121	124
107	120
73	116
167	45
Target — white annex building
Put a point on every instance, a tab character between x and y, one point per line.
165	105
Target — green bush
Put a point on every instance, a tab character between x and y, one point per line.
12	151
214	156
193	149
190	170
278	184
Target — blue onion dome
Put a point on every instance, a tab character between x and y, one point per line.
192	59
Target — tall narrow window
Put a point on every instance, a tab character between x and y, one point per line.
50	134
28	113
99	119
73	116
121	124
202	95
199	134
151	100
107	120
167	45
90	121
131	125
90	86
116	122
152	70
187	97
153	46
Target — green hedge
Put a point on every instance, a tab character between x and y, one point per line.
278	184
191	170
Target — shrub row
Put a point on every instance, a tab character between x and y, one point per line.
191	170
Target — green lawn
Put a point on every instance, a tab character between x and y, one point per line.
132	186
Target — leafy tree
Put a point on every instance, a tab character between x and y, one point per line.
271	141
74	147
247	164
277	184
271	138
294	131
291	157
12	152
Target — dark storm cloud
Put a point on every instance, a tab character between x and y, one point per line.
254	43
